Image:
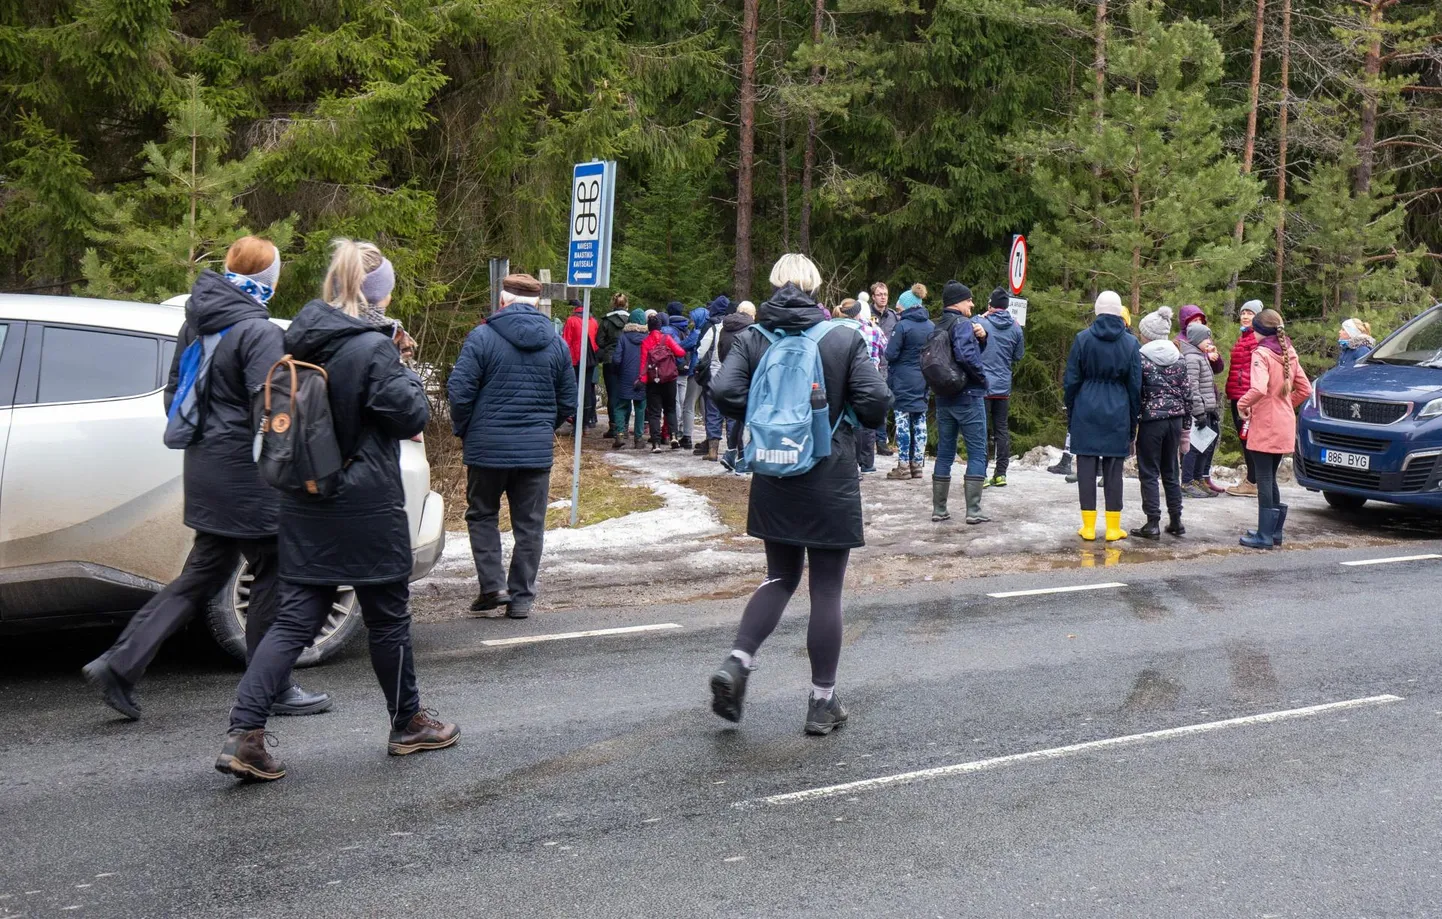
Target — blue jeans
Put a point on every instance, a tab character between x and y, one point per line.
968	416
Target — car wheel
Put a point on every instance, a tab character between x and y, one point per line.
228	613
1341	502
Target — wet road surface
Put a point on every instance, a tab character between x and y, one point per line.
592	779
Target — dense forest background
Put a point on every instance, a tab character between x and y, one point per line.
1205	151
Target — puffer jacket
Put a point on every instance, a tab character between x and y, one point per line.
512	386
1103	389
1239	374
360	535
1199	373
1166	389
627	361
224	493
822	507
571	334
609	334
903	358
1005	347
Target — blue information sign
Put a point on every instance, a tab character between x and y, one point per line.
593	195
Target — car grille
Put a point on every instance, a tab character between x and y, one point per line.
1340	475
1417	475
1365	412
1349	442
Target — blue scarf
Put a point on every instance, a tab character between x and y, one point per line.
260	292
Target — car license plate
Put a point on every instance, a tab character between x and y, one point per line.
1349	460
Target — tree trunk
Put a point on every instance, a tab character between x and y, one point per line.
785	156
1371	71
1137	225
1099	98
808	165
745	173
1249	147
1282	153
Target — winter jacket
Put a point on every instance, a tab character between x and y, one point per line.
1103	388
659	339
571	333
709	348
700	324
968	354
731	326
224	493
1199	373
1272	413
903	358
1005	347
1346	357
627	361
512	386
679	329
1190	314
886	321
609	334
1239	374
359	536
1166	388
821	508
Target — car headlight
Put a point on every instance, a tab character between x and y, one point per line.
1312	400
1431	409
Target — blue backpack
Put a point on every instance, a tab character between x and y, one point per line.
787	416
186	418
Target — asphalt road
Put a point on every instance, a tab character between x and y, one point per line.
593	781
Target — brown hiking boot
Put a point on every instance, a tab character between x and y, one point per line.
245	756
713	451
899	473
917	471
423	732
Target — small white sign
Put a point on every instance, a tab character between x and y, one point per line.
1017	307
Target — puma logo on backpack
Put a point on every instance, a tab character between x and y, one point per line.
297	447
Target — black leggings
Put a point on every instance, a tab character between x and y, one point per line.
783	576
1086	481
1268	494
661	405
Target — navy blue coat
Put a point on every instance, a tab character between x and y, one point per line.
1103	388
512	386
968	353
903	358
627	361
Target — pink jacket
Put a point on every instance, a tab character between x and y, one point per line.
1272	414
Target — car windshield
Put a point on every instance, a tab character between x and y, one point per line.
1418	344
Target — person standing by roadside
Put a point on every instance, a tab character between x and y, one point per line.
232	510
571	332
1279	387
1239	380
964	412
859	312
908	386
630	391
1197	350
1103	395
813	517
509	393
1354	342
607	337
1192	313
1006	346
886	320
660	359
1166	406
732	326
359	536
694	400
687	336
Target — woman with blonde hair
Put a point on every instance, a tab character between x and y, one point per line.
1354	342
1269	409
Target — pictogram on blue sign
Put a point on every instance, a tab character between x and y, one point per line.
593	195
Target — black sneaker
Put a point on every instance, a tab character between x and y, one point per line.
114	691
728	688
825	715
489	600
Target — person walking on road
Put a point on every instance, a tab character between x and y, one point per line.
1166	406
359	536
908	386
814	516
608	336
1354	342
1239	380
630	391
1197	351
963	413
1103	395
1006	346
1279	387
508	394
660	359
571	333
232	510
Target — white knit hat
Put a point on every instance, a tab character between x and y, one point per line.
1109	304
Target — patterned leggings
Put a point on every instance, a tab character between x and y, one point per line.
910	438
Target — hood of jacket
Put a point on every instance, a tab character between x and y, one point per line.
217	304
635	328
616	319
1001	319
1161	352
319	331
915	314
1108	328
1188	313
700	316
524	327
790	309
1186	347
680	324
736	322
721	306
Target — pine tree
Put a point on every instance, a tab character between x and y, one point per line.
671	246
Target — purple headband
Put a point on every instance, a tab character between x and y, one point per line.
378	284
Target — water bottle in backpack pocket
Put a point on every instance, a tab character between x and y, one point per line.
298	451
787	415
186	419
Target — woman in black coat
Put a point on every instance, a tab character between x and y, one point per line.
816	514
360	535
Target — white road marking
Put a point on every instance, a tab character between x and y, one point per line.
1055	590
1388	561
593	633
922	775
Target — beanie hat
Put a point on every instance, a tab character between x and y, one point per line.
521	285
908	300
1157	325
954	292
674	308
1109	304
999	299
1252	306
1198	333
638	316
378	284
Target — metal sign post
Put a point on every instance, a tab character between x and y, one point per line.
588	265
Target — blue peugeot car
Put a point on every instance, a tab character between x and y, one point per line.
1373	432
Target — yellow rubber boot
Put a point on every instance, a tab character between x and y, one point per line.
1114	526
1089	525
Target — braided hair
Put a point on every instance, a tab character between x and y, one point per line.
1271	319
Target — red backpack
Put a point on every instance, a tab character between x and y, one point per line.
661	363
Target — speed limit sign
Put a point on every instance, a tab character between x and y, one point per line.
1016	268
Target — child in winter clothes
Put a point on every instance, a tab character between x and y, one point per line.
1278	387
660	394
1354	342
1166	406
1197	349
1239	380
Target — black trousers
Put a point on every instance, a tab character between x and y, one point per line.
589	387
1247	456
784	564
209	567
303	610
661	400
998	417
1268	494
612	378
1158	445
527	492
1086	482
865	448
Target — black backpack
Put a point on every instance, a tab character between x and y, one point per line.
939	367
298	451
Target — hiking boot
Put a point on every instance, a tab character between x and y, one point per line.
973	501
702	448
728	460
1062	467
1196	489
1243	490
728	688
684	444
1152	529
619	444
1071	478
918	471
489	600
1213	487
996	481
245	756
296	701
899	473
516	611
713	451
114	691
638	442
940	490
825	715
1175	527
884	449
423	732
